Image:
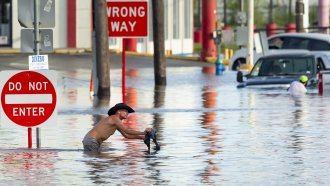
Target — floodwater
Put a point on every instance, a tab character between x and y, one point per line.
210	132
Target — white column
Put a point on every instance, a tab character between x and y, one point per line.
249	57
306	15
84	23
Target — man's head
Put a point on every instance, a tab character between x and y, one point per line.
303	79
121	108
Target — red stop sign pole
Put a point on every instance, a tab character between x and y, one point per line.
28	99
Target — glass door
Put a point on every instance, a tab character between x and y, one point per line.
5	23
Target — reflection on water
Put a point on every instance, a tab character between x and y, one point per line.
158	119
29	167
210	134
209	122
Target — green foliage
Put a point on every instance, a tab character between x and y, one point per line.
259	18
198	47
280	17
313	15
197	13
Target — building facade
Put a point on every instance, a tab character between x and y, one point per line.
73	26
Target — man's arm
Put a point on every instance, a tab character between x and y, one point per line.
123	128
130	136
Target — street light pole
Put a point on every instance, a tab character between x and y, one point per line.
249	57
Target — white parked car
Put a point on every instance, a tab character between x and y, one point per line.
285	41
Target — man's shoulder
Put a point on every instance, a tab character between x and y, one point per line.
297	87
112	120
295	83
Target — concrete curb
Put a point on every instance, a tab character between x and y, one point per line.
70	51
56	51
88	50
188	58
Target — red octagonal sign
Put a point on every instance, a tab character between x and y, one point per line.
28	98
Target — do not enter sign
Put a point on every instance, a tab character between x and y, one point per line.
28	98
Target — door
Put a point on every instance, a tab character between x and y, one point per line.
5	23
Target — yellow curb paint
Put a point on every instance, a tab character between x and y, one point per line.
9	51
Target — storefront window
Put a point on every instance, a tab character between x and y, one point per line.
5	23
166	19
176	19
187	16
112	41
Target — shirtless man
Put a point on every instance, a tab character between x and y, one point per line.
107	126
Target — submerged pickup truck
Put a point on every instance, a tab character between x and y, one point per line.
283	67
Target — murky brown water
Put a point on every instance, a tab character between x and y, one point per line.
210	134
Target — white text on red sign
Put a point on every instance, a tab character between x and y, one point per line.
131	12
28	99
127	18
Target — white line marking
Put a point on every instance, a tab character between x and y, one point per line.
28	99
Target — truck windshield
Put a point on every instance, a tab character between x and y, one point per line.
283	66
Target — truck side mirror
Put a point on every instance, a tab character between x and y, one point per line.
239	77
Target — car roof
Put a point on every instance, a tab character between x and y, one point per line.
292	53
319	36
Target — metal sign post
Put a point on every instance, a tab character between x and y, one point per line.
36	14
36	50
123	71
36	27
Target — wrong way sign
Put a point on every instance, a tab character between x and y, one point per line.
127	18
28	98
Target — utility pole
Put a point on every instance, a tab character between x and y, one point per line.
159	44
299	16
100	21
225	12
290	11
270	11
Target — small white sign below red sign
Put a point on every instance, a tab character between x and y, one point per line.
28	98
127	18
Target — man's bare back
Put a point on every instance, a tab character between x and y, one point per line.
104	129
